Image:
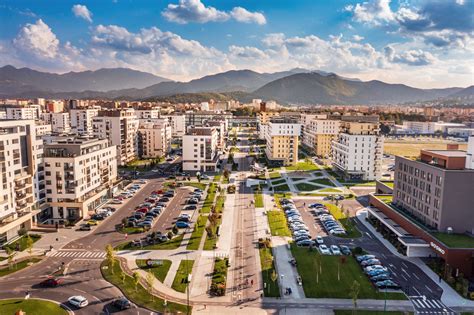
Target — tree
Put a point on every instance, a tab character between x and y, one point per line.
136	279
110	254
274	276
354	293
29	244
150	279
226	174
11	253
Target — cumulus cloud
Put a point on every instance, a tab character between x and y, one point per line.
188	11
357	38
409	57
38	40
242	15
371	12
81	11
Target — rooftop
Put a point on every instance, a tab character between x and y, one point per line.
448	153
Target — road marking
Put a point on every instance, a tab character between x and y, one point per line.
368	234
428	288
416	276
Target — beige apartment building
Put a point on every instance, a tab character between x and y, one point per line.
81	120
154	138
200	149
282	140
120	128
60	122
318	135
80	173
262	122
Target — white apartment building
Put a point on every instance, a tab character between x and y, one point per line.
282	140
23	112
21	153
80	173
60	122
419	127
120	128
81	120
318	135
178	125
357	151
147	113
154	138
200	149
262	123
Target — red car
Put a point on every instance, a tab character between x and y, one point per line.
143	210
50	282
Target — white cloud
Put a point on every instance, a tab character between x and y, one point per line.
81	11
38	40
242	15
188	11
371	12
357	38
414	57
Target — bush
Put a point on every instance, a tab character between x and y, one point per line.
22	232
357	251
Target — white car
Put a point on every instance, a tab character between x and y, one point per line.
300	233
324	250
78	301
319	240
375	267
335	250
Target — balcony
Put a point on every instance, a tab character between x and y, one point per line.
68	168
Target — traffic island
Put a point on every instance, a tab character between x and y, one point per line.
31	306
219	277
18	265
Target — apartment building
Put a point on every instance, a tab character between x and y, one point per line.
80	173
282	140
262	123
318	135
221	127
147	113
199	118
81	120
21	179
200	149
60	122
357	150
23	112
437	189
120	128
154	138
178	125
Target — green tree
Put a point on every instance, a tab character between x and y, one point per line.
150	279
110	257
354	294
11	254
274	276
136	279
29	244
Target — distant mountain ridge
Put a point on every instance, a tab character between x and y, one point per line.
296	86
13	80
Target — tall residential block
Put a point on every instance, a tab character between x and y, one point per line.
200	149
318	135
81	120
282	140
154	138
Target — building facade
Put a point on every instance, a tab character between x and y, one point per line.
318	135
282	140
81	120
60	122
200	149
154	138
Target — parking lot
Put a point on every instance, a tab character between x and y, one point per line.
309	219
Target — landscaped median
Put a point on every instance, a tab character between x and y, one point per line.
269	275
258	198
196	236
347	223
182	275
171	244
219	276
137	293
209	201
328	276
31	306
16	266
159	270
278	223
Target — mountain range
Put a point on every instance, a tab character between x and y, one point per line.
296	86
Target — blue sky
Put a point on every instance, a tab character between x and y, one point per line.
420	43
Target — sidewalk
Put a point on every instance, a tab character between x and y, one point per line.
450	297
227	226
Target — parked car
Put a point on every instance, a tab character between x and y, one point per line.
337	231
78	301
50	282
375	267
85	227
97	217
335	250
370	262
375	273
182	224
315	205
301	238
387	284
324	250
319	239
116	201
144	224
381	277
364	257
190	207
305	243
345	250
93	222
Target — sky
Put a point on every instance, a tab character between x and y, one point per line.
421	43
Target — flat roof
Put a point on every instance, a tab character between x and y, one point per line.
450	153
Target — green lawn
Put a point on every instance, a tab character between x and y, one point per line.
209	201
211	242
278	182
219	276
455	240
160	272
217	178
306	187
330	190
385	198
185	268
171	244
389	184
274	175
220	202
362	184
281	188
22	242
17	266
322	181
196	236
201	186
31	306
258	199
139	296
351	229
328	285
278	224
303	166
268	266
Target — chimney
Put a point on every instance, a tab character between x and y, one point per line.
470	153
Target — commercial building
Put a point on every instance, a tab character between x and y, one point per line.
60	122
282	140
419	127
21	176
81	120
120	128
357	150
154	138
318	135
443	127
200	149
80	173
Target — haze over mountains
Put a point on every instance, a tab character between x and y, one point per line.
296	86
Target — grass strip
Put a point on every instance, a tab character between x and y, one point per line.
181	278
160	271
196	236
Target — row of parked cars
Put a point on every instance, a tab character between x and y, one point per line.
328	222
334	250
298	228
377	273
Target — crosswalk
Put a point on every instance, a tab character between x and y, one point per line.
430	306
78	254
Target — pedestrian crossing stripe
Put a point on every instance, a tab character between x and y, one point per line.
79	254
